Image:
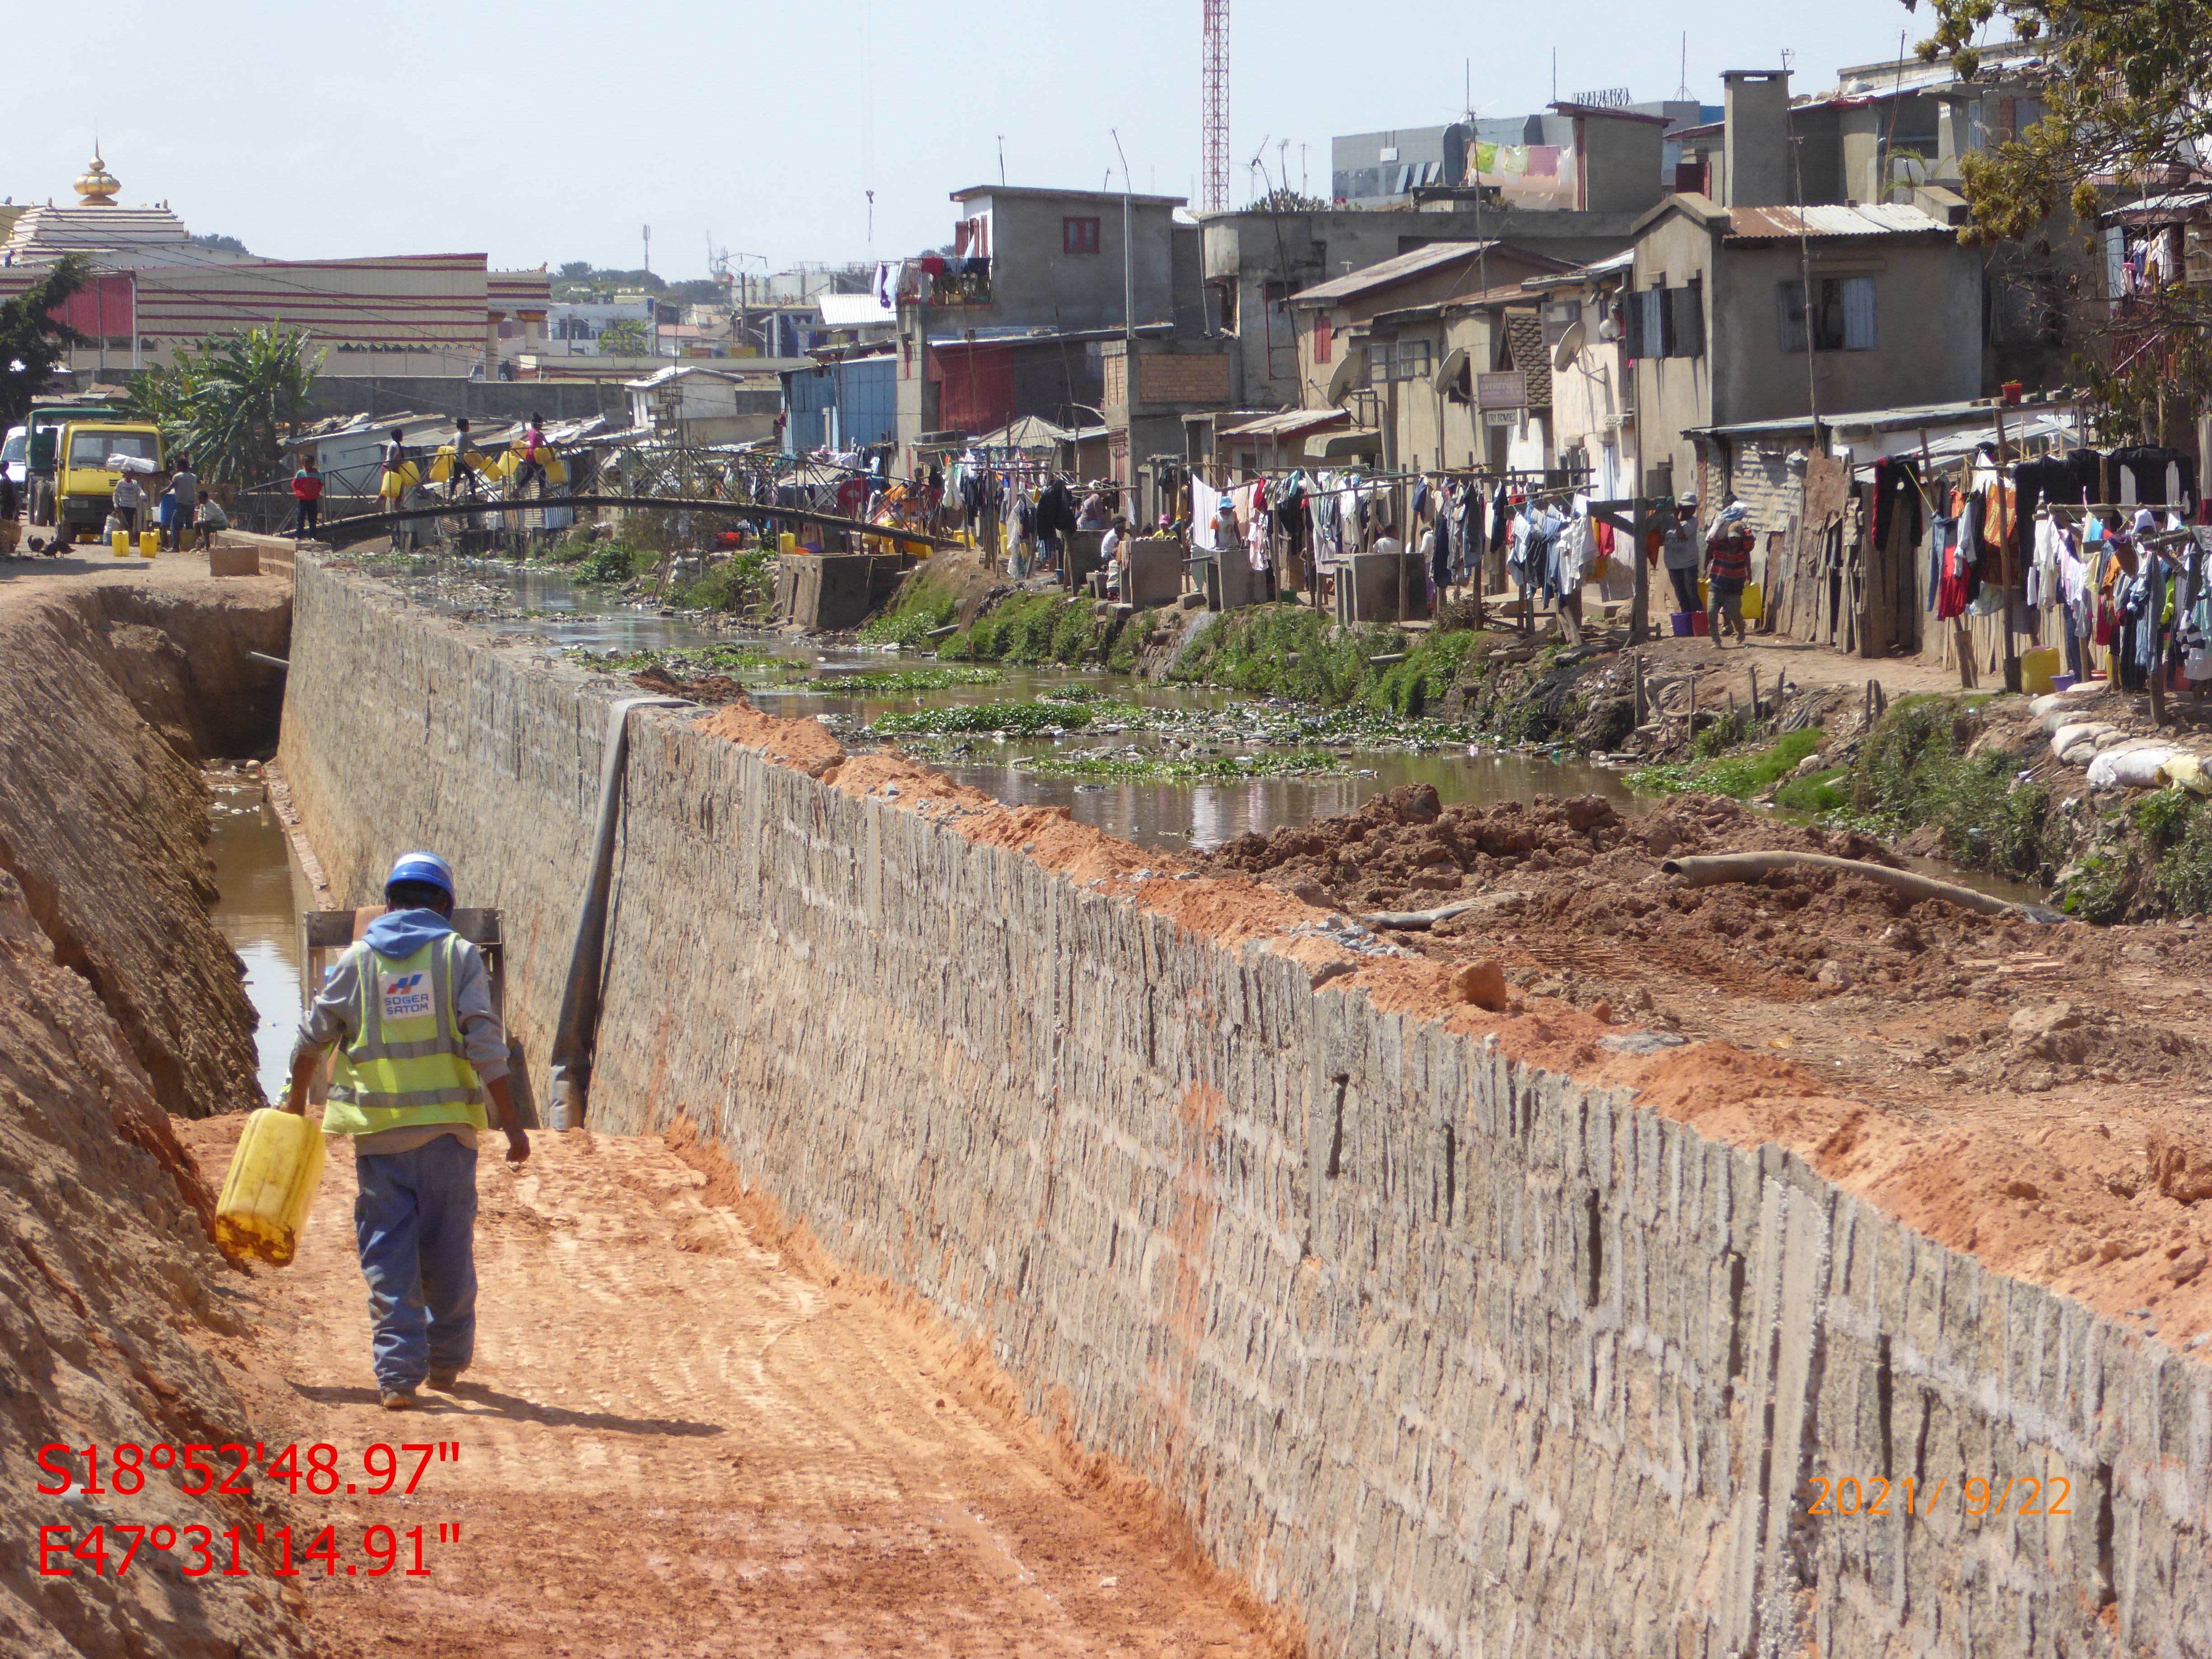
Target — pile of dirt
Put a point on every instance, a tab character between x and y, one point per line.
116	1321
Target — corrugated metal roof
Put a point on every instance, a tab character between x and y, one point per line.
852	310
1386	273
1905	417
1287	423
2168	208
1757	224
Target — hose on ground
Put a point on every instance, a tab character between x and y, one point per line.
1756	866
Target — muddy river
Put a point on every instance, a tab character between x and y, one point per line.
263	896
1150	811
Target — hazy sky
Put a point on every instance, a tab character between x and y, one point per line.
553	130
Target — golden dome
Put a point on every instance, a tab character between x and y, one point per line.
96	185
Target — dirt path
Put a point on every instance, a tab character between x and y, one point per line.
676	1442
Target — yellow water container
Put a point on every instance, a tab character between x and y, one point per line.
1754	602
2037	670
556	471
786	543
119	542
272	1181
441	465
149	544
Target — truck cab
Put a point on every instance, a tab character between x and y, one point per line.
87	463
42	431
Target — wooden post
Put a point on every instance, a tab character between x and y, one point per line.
1642	709
2011	644
1694	703
1753	671
1639	609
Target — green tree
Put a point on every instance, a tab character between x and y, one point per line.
626	337
2126	88
31	343
2124	85
225	403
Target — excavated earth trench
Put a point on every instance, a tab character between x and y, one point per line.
708	1417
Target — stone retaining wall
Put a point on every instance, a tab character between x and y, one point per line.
1442	1353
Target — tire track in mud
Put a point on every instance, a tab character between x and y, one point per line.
675	1441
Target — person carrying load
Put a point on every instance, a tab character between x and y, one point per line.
408	1008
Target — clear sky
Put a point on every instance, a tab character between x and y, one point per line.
554	130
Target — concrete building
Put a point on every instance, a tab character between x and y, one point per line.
1593	425
1015	320
1256	261
1339	357
1544	161
1174	378
1455	383
1718	324
154	292
695	404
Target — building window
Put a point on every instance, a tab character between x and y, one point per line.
1406	360
1078	235
1666	322
1842	314
1324	338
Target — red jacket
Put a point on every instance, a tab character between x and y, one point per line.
307	486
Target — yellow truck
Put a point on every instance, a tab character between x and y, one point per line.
90	456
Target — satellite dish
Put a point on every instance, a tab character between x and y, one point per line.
1570	344
1454	365
1349	373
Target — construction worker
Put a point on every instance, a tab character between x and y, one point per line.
408	1008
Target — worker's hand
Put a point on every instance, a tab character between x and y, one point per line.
518	1146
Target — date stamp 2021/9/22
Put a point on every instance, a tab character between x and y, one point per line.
2020	1497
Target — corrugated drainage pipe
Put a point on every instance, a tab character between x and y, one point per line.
576	1034
1756	866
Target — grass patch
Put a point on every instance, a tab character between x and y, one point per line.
2185	874
692	661
1819	792
1024	718
1431	668
609	563
1034	628
1914	770
1740	776
1287	651
743	583
922	606
898	681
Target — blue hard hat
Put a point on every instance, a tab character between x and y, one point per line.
421	870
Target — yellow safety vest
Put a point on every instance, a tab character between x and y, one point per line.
406	1065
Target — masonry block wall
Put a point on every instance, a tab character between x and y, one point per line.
1444	1354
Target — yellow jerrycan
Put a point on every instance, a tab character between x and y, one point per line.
149	544
272	1181
119	543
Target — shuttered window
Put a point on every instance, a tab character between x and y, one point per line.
1324	338
1686	314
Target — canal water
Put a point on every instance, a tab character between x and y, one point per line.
553	609
263	894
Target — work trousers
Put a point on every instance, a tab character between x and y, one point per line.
310	512
414	1221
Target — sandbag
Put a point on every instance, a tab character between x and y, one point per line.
2077	732
2131	768
2187	772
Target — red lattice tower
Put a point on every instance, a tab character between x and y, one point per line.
1214	194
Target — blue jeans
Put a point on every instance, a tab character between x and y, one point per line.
415	1220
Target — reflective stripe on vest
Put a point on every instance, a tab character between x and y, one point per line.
407	1064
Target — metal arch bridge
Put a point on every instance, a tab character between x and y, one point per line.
363	525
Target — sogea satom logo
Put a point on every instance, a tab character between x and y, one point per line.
407	997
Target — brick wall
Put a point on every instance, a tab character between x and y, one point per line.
1450	1355
1176	378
